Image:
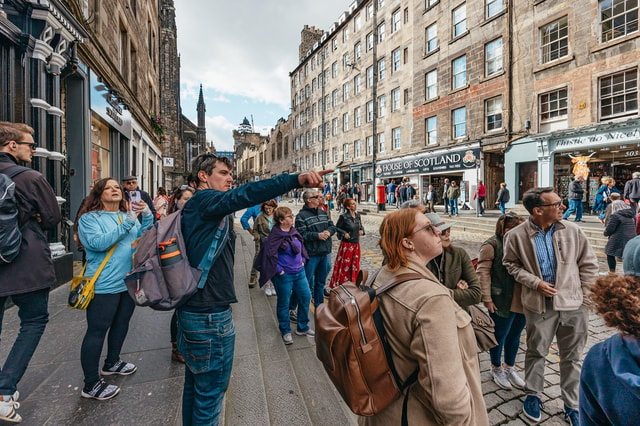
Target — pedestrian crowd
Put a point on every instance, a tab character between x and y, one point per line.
537	274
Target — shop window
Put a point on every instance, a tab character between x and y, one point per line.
618	18
619	94
554	40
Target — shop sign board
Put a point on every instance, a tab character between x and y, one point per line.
108	108
430	163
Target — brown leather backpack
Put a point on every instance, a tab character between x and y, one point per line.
352	346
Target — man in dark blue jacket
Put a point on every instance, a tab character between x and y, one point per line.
206	334
316	229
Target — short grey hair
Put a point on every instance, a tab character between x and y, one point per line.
308	193
412	204
635	175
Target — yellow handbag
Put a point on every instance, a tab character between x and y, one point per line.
82	288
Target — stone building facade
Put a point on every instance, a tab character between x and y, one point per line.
576	75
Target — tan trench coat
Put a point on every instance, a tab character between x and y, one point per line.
429	331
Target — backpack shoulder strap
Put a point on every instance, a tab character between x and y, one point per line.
13	171
398	279
215	249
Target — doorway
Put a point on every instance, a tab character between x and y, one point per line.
527	177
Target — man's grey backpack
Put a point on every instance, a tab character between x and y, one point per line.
162	277
10	235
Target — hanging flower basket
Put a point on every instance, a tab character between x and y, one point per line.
157	124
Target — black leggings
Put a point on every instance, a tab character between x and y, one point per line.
174	327
611	261
106	313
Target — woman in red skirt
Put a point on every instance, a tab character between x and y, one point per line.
349	227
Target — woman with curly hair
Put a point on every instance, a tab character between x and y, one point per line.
610	379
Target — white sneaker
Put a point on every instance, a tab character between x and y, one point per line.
500	378
8	410
272	289
514	378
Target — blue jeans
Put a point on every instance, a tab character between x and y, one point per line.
316	269
34	315
507	331
574	206
206	340
501	206
453	206
284	285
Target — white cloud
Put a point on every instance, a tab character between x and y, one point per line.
220	130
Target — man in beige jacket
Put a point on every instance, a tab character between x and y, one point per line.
555	264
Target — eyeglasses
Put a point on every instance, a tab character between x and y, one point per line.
554	205
32	145
429	227
129	182
186	188
314	196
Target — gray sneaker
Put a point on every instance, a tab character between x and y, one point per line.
287	339
500	378
101	391
308	332
514	378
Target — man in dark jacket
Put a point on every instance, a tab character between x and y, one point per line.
204	321
29	277
632	191
316	229
130	183
576	191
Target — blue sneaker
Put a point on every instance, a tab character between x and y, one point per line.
532	406
571	416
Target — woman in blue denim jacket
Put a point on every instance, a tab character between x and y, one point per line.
105	220
282	260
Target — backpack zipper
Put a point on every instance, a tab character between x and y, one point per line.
355	305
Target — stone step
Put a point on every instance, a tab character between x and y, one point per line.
272	383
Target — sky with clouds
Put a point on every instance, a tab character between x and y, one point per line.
242	52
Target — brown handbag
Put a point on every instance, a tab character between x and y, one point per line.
483	327
352	346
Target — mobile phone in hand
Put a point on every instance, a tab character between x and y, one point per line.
135	196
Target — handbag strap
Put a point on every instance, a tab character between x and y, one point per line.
106	259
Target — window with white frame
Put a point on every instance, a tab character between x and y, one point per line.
327	130
430	3
431	130
380	142
494	7
554	40
431	37
382	105
618	18
314	160
334	69
369	11
395	99
369	41
370	76
357	118
308	167
357	85
369	142
553	105
459	74
334	126
345	61
369	111
493	113
459	18
395	138
345	121
334	44
357	23
357	51
314	110
334	96
357	148
380	4
395	60
345	152
431	85
493	57
380	32
459	122
327	158
335	154
381	69
345	35
396	18
618	94
345	91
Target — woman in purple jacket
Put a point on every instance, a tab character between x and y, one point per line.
281	260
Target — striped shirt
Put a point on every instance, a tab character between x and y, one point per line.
545	252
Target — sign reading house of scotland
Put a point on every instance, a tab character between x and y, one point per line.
442	162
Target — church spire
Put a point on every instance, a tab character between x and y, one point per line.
201	109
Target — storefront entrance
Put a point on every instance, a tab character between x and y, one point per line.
527	177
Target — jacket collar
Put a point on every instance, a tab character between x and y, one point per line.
532	228
5	157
